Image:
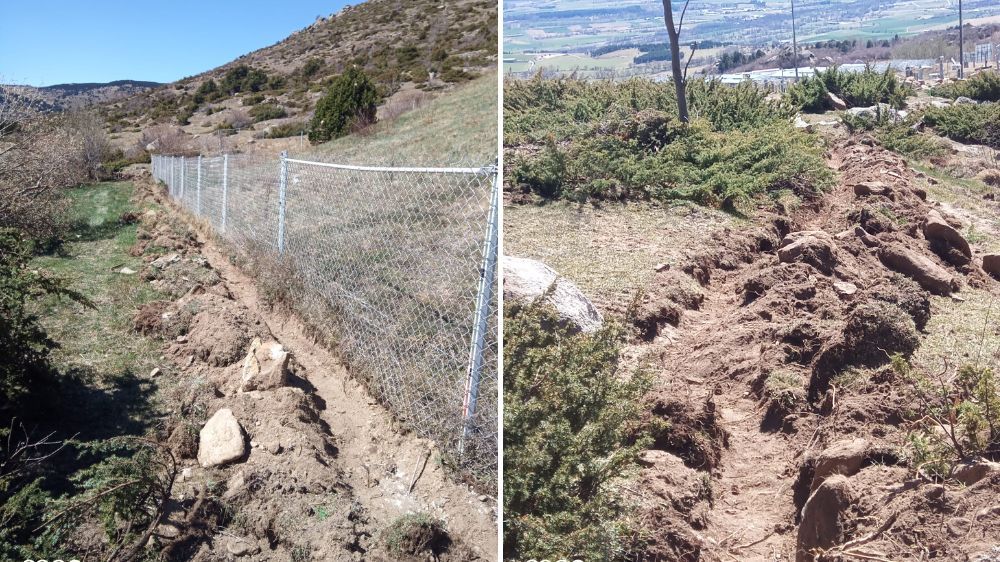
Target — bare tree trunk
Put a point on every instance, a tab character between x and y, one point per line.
680	81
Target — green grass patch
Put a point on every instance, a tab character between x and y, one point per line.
99	341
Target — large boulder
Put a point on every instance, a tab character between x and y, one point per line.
921	269
526	281
221	440
936	228
265	367
843	457
823	519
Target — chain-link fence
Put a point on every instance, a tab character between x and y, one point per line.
399	264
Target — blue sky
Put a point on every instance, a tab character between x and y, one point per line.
45	42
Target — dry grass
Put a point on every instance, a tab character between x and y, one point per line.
966	332
457	128
611	251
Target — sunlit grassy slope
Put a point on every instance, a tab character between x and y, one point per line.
458	128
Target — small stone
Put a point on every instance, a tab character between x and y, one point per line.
241	547
662	267
155	373
126	271
844	288
958	526
234	485
190	361
484	498
182	339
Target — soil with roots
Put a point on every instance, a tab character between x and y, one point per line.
755	383
327	473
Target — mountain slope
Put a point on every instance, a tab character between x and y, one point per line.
70	96
426	44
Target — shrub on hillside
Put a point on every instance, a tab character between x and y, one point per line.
984	86
351	100
284	130
856	89
267	111
570	423
242	78
968	123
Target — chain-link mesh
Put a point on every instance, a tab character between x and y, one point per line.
398	263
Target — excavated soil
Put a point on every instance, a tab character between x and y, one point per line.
753	341
326	471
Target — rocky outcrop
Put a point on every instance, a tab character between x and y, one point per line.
525	281
221	441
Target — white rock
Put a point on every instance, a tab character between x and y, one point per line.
221	440
526	280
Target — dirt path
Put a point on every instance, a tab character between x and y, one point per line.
379	461
389	472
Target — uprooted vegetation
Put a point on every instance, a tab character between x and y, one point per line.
622	141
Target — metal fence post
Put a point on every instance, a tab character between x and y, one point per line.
225	187
198	192
487	272
182	179
282	182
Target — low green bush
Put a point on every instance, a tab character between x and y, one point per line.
856	89
285	130
266	112
617	141
897	135
968	123
571	421
984	86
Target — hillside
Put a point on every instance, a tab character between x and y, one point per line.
441	44
59	97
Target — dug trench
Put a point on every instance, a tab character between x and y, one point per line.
782	422
283	455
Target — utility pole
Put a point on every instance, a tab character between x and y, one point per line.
795	44
961	43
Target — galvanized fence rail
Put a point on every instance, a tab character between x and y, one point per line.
398	263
